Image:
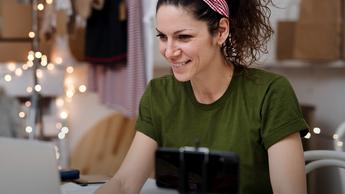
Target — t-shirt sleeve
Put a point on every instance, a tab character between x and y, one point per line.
281	114
145	123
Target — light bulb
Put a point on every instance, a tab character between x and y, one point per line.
18	72
49	2
64	130
21	114
63	115
82	88
38	88
28	129
8	78
32	34
335	136
38	55
11	66
308	136
40	6
69	69
317	130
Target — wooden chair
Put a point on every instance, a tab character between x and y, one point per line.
102	150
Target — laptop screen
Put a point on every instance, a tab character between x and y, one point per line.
28	167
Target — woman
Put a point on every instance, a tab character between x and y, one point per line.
215	99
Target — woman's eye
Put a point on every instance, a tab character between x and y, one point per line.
184	37
161	37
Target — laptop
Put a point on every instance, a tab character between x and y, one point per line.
28	167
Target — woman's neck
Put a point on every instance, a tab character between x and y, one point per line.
209	88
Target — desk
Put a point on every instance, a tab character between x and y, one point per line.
148	188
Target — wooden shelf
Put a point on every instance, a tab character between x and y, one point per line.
296	64
19	39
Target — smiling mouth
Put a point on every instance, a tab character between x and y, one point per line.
176	65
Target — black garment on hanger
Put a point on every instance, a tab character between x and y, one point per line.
106	35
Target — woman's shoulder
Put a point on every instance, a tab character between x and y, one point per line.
264	74
270	82
165	92
258	80
163	81
165	84
260	76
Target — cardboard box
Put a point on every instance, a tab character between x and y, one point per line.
285	39
320	10
16	19
317	42
318	32
17	51
14	51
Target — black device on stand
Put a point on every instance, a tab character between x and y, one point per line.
194	170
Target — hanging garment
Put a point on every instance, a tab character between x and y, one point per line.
136	61
84	7
111	85
121	87
106	35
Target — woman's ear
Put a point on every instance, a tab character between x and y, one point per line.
223	30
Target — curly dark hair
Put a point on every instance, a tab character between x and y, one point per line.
250	27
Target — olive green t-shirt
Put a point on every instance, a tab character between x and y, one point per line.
257	110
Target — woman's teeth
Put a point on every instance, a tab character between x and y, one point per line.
180	64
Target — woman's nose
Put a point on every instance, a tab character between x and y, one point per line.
172	50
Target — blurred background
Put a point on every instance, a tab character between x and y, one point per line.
72	72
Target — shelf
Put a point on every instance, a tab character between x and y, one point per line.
19	39
297	64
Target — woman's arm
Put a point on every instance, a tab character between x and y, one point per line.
135	169
287	167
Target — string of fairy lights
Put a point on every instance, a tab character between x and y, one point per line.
335	137
70	89
16	70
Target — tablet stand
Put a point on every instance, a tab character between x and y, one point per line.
183	183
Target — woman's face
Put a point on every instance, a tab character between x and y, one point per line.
185	42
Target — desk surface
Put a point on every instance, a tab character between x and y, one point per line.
148	188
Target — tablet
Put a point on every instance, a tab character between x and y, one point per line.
197	170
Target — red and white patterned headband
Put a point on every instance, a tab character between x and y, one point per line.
219	6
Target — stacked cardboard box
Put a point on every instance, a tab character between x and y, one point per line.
16	23
318	34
